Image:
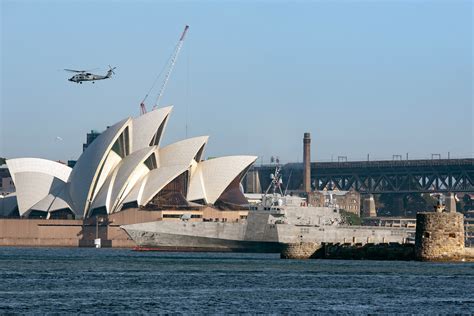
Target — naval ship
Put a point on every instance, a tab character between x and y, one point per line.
279	219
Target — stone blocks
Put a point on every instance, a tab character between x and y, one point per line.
439	236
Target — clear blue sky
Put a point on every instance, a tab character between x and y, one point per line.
363	77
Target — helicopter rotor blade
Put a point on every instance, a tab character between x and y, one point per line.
81	71
72	70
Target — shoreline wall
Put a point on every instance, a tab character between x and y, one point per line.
72	233
18	232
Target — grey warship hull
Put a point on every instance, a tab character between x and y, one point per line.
156	241
262	232
204	236
276	221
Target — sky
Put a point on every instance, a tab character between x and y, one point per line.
381	78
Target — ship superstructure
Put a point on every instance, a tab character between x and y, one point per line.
277	220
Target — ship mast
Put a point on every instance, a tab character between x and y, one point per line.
276	183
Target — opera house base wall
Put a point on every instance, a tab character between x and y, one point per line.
59	233
81	233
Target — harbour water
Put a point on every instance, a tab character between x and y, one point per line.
80	280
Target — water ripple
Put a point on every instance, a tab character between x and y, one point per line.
49	280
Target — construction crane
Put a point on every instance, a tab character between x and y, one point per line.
171	62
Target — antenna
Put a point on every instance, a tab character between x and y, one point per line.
276	182
288	183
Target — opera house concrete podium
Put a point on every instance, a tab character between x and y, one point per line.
125	167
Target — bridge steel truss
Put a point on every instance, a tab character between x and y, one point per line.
400	176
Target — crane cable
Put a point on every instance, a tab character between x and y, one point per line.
170	62
173	62
158	77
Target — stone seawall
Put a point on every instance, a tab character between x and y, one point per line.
382	251
303	250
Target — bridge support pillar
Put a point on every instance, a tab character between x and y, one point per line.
399	205
450	203
368	206
253	182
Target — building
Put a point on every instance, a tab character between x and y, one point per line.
6	183
125	167
390	222
346	200
90	137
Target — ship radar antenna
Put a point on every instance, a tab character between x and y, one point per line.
276	183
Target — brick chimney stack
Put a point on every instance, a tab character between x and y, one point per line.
307	162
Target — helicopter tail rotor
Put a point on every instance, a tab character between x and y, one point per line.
111	70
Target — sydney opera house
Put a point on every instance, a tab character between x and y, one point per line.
125	167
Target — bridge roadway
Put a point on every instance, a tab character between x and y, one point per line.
397	176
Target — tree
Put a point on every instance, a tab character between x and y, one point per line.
350	218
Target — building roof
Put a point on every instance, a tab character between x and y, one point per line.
83	180
122	179
147	126
53	168
35	178
207	184
124	164
173	160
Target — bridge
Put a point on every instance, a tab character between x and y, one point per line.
375	177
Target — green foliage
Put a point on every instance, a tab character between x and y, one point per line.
350	218
2	161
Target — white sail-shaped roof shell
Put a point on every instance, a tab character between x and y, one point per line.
32	187
114	170
119	183
182	152
112	161
44	204
156	180
84	177
57	200
173	160
146	126
147	129
53	168
35	178
213	176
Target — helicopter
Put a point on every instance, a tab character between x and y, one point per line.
84	75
